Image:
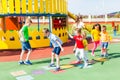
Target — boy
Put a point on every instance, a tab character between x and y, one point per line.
105	38
56	42
24	38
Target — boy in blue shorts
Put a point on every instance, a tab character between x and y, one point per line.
105	39
57	45
24	38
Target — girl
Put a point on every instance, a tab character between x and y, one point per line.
78	24
79	47
95	35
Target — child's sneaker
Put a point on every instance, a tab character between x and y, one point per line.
85	65
28	62
52	65
21	62
57	69
106	55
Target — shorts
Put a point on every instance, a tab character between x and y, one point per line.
104	44
26	46
56	50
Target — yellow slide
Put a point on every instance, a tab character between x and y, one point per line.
72	15
87	27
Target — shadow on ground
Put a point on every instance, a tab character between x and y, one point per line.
48	61
114	55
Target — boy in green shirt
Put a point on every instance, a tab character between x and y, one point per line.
24	38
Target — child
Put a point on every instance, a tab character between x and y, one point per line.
95	35
78	25
79	47
24	38
85	43
105	38
115	30
56	42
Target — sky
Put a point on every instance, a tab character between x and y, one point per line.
93	7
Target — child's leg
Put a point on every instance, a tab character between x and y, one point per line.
23	51
57	61
76	54
28	54
95	46
106	53
105	49
57	52
82	55
102	52
28	47
21	55
52	58
86	57
102	49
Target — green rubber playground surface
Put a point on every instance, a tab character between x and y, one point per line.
109	70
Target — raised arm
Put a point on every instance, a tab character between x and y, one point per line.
70	35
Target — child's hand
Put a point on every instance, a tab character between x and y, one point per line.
74	50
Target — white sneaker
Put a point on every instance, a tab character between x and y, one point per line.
85	65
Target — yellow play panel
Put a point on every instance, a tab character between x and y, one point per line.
101	59
66	66
3	45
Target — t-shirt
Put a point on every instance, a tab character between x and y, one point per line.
85	43
105	37
79	42
24	31
80	25
96	34
53	39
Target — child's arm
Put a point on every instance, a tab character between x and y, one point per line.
92	37
92	34
73	29
75	46
70	35
21	35
109	39
60	45
74	49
